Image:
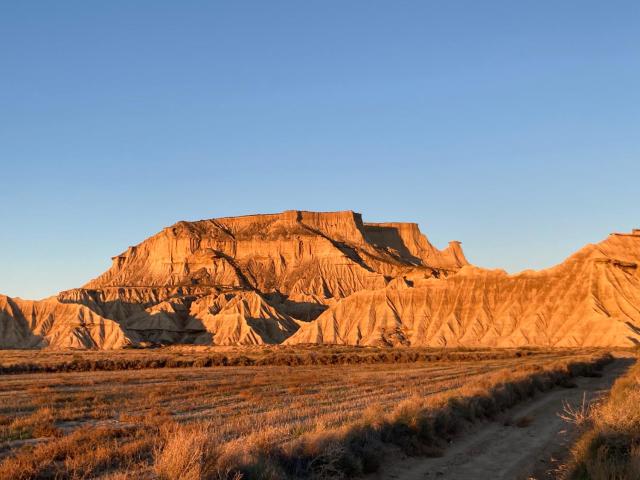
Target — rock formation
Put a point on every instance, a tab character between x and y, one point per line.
591	299
49	322
308	277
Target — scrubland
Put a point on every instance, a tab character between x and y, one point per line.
263	421
609	448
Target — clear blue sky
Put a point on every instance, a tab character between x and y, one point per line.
511	126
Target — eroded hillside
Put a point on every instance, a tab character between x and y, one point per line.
309	277
237	280
591	299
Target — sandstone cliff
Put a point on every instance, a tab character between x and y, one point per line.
326	255
236	280
309	277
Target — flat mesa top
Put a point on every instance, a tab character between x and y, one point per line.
634	233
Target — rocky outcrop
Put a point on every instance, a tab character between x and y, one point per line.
591	299
236	280
405	241
312	277
327	255
241	318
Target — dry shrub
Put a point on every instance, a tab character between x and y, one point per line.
578	415
193	452
248	457
610	448
329	463
373	415
170	357
181	453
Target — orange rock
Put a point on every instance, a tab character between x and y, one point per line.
300	277
591	299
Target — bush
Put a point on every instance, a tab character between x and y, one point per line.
610	447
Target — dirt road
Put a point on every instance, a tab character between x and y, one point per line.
495	451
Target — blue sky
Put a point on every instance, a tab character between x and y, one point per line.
511	126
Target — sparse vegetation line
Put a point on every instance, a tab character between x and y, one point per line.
20	362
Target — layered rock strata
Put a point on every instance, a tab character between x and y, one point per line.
312	277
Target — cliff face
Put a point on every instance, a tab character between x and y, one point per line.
406	241
263	252
591	299
235	280
309	277
298	254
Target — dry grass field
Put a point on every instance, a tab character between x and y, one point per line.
260	421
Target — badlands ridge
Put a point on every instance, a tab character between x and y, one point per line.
307	277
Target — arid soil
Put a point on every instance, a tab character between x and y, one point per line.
530	442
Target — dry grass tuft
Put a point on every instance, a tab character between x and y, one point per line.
610	447
577	415
181	453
